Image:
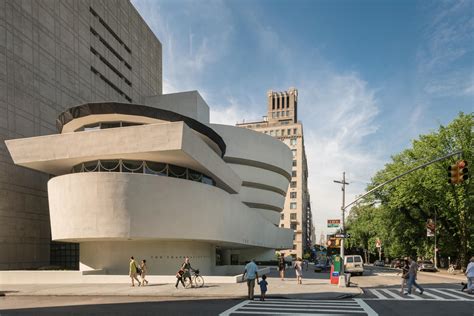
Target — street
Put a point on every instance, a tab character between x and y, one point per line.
381	296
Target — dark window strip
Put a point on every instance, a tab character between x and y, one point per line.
115	70
108	28
111	84
106	44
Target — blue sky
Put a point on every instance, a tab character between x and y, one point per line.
371	75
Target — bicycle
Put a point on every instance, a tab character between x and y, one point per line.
451	269
198	280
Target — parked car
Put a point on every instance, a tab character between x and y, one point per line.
379	263
354	265
426	265
396	263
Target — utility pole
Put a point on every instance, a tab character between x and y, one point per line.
435	244
342	278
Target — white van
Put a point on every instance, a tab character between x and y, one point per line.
353	264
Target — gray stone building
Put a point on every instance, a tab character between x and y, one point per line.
282	123
53	55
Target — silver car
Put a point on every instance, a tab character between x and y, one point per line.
426	265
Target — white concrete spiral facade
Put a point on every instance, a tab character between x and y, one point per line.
114	215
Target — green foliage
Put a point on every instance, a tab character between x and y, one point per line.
397	213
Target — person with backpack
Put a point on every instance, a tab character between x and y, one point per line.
134	271
405	269
179	277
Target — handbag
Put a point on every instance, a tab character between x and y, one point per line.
139	271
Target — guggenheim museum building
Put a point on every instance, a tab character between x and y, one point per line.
159	182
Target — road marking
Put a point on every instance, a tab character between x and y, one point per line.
450	295
367	308
470	296
233	309
433	296
391	293
428	294
301	307
377	293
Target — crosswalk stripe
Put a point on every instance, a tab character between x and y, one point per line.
306	301
304	309
290	313
267	301
391	293
308	305
463	294
449	294
326	305
433	296
301	307
377	293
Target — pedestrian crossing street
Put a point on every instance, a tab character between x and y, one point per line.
301	307
439	294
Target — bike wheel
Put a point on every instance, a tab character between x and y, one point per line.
199	281
187	282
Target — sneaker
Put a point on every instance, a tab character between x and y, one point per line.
421	292
406	293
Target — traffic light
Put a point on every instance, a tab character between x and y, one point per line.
458	172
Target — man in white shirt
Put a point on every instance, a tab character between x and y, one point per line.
470	276
251	271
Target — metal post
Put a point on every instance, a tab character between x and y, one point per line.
342	279
435	245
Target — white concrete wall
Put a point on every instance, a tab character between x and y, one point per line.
189	103
254	195
163	257
173	143
262	176
121	206
247	144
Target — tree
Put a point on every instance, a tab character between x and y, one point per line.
406	204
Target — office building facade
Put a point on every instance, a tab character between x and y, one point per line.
282	123
53	55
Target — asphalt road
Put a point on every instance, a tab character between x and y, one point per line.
381	297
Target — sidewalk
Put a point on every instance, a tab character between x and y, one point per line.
315	286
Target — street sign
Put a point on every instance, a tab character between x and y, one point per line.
334	223
343	235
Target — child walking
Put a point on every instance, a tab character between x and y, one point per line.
263	287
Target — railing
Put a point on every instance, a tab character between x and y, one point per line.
144	167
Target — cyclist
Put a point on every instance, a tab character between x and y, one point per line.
186	267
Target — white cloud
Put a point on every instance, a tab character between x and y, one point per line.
447	43
339	113
231	113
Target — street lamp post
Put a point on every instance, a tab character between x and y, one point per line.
342	279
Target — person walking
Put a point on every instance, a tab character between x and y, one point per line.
144	270
405	269
186	267
263	287
251	270
412	271
282	266
179	277
132	272
299	270
470	277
